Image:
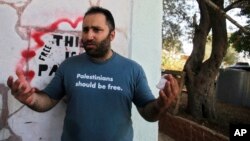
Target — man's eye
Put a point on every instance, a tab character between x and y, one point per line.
85	29
96	30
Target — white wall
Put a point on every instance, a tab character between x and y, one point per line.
146	50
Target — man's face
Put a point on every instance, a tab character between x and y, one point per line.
96	36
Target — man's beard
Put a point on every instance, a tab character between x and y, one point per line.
101	48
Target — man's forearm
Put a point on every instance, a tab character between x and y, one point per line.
151	112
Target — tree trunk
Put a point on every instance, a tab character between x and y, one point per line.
200	74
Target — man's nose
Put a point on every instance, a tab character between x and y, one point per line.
90	35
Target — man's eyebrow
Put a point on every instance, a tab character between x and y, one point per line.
91	26
86	28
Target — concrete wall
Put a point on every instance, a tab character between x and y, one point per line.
37	35
146	49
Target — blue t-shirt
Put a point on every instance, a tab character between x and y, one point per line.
100	97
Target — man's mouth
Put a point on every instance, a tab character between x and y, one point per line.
90	45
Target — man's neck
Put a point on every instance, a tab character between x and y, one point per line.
104	58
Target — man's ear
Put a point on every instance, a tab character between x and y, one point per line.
112	35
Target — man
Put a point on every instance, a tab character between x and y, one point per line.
100	86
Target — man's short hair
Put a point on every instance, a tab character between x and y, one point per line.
105	12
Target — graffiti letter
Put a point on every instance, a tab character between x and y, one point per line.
69	41
47	48
77	41
42	55
42	67
53	70
58	38
67	54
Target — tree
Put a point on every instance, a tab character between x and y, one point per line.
200	75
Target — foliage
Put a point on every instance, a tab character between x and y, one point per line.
173	61
246	11
240	40
174	15
170	44
230	57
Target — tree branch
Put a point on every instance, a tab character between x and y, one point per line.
237	4
214	6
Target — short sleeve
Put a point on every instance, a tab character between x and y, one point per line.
143	93
55	89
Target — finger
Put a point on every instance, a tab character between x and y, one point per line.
164	100
29	101
163	96
161	99
20	74
31	92
167	89
170	78
25	89
25	95
174	85
28	97
15	87
10	81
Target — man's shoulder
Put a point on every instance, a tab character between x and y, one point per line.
127	60
73	60
129	64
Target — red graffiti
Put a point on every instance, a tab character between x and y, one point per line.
29	53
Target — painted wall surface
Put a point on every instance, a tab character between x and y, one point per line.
37	35
146	50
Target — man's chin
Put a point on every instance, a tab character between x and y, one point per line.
92	54
91	46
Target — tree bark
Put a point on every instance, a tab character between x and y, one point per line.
200	74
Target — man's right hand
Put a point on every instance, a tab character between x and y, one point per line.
21	88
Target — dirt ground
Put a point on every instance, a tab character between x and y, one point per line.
225	114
